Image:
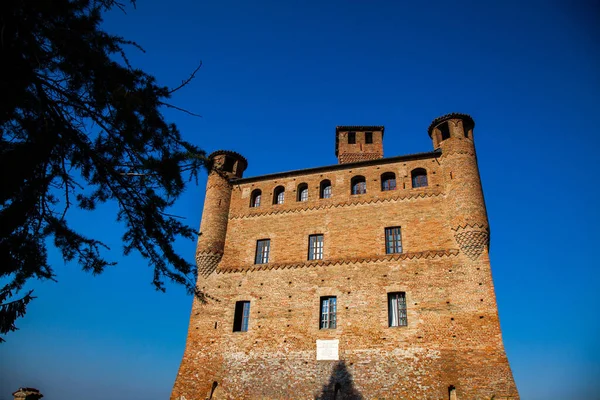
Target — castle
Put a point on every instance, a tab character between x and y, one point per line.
366	279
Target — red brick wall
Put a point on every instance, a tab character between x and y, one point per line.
359	151
453	334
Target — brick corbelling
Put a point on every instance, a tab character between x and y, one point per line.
347	158
467	152
428	254
421	195
207	262
467	225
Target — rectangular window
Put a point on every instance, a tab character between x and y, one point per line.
241	316
393	240
262	251
368	137
328	312
397	309
315	247
351	137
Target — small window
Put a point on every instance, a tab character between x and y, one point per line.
397	309
263	247
368	137
302	192
419	178
388	181
255	198
241	316
325	189
359	185
228	164
445	130
393	240
279	195
315	247
351	137
328	312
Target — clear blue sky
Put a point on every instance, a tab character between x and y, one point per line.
276	80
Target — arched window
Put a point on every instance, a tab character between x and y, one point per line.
419	177
255	198
302	192
278	195
359	185
325	189
388	181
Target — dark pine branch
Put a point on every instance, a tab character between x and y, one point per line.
78	129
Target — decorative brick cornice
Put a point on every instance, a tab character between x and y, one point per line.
427	254
207	262
466	226
472	239
357	202
468	152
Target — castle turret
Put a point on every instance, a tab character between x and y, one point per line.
358	143
223	166
453	134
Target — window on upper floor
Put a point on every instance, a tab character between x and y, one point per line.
368	137
278	195
315	247
445	130
419	177
351	137
241	316
263	246
388	181
325	189
358	185
228	164
393	240
255	198
328	318
397	309
302	192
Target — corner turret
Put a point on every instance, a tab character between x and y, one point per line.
453	134
224	166
454	125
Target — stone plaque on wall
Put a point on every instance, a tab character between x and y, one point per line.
328	349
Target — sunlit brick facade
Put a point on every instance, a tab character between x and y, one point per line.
366	279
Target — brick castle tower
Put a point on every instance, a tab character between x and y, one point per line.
366	279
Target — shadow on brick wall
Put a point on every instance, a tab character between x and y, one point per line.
340	385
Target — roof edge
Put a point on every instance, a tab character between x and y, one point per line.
444	118
432	154
229	153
